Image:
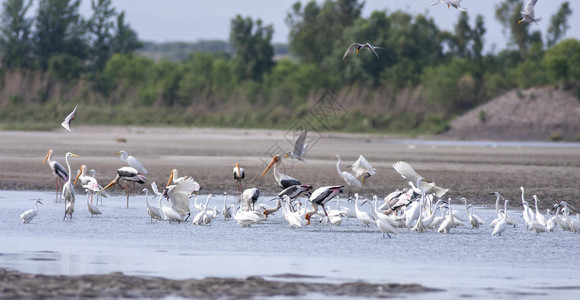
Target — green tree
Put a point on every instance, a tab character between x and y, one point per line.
315	29
559	24
56	20
101	27
507	13
126	39
15	30
463	34
253	49
563	61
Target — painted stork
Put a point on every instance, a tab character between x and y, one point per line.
283	180
320	196
57	170
127	174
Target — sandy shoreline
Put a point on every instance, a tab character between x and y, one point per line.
470	170
15	285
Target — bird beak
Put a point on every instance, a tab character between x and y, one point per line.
274	160
40	202
117	153
520	21
238	168
46	158
170	178
74	155
78	175
110	184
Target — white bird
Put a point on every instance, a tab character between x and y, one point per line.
199	218
527	213
320	197
299	147
447	223
57	170
28	215
245	218
538	227
528	15
408	173
153	212
270	210
292	217
283	180
562	223
69	119
178	195
349	179
474	220
226	210
551	221
383	221
455	3
356	47
174	177
501	225
68	190
539	217
132	161
101	194
573	224
93	209
362	169
362	216
249	198
170	214
347	212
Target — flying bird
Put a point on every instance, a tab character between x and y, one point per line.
362	168
528	15
356	47
407	172
299	147
69	119
455	3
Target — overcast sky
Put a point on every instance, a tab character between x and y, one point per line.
193	20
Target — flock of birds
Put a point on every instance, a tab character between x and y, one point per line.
418	207
413	207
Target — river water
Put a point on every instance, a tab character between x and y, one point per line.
465	263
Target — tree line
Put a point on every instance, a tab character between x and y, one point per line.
238	83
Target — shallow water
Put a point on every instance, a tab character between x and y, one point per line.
466	262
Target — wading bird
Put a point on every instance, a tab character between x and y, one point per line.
408	173
249	198
299	147
362	169
349	179
294	191
474	220
455	3
57	170
283	180
178	194
93	209
320	196
226	210
128	174
69	119
356	47
132	161
363	216
153	212
501	225
383	221
528	15
239	175
28	215
89	183
68	191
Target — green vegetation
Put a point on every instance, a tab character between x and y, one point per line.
424	76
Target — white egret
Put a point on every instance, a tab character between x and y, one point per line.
538	227
57	170
361	168
153	212
474	220
200	216
551	221
349	179
178	195
283	180
539	217
501	225
455	3
361	215
299	147
93	209
226	210
68	120
408	173
447	223
528	14
132	161
28	215
68	190
292	217
383	221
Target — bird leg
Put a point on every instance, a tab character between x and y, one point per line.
127	190
188	214
323	208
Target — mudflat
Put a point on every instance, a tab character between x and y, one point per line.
468	169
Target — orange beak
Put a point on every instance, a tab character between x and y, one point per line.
111	183
274	160
238	169
170	177
46	158
78	175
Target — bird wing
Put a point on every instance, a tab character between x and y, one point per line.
437	2
60	171
154	187
372	48
350	50
530	8
68	119
179	195
406	171
361	165
300	145
133	162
